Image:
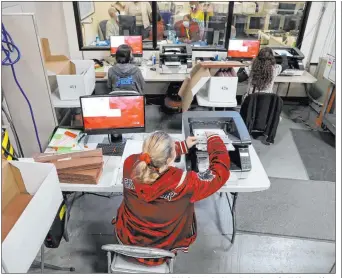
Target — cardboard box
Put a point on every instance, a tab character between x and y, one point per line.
75	78
31	196
200	81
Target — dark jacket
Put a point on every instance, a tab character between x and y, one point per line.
261	112
125	77
162	215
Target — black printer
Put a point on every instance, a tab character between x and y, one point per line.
230	127
175	58
294	57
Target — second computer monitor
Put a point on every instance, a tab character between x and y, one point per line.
216	24
244	49
127	25
113	114
133	41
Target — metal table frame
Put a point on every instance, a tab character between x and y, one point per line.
232	210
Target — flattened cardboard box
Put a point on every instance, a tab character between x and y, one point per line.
199	76
31	196
79	167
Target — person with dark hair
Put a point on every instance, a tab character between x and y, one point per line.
263	72
124	76
187	30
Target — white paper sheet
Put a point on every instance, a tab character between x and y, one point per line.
281	52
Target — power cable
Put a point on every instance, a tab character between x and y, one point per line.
8	47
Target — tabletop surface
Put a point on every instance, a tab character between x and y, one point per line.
156	76
110	180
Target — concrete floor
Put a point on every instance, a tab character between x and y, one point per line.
252	252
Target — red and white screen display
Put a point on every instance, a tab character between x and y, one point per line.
133	41
113	112
243	48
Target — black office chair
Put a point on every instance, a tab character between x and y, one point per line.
127	25
261	113
102	29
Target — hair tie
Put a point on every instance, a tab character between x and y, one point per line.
145	157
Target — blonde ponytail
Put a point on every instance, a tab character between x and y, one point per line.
159	147
145	174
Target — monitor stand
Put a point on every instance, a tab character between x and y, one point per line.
116	138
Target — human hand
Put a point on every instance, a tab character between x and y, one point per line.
191	141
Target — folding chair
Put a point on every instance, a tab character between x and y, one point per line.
122	264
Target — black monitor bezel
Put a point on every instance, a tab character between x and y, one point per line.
116	130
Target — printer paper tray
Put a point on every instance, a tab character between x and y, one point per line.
172	64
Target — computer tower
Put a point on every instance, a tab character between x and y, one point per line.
55	234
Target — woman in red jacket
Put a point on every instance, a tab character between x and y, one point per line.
158	205
187	30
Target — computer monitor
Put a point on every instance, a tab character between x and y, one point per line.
133	41
113	114
256	22
216	24
127	25
244	49
274	23
286	8
290	23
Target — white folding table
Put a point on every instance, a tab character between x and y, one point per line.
111	179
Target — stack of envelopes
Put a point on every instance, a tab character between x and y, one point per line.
78	167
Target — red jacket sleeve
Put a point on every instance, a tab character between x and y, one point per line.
204	184
181	148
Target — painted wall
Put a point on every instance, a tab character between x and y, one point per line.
326	37
50	19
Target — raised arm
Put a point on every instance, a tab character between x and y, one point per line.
181	148
184	146
204	184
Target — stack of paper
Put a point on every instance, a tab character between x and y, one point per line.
64	138
79	167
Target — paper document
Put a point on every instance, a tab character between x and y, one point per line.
172	63
65	138
281	52
202	138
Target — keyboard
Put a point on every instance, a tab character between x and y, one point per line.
112	149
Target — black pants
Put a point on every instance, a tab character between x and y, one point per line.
141	31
